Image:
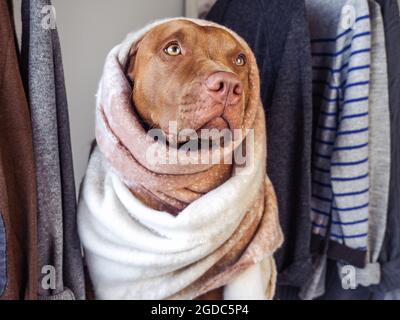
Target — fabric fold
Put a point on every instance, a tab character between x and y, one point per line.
42	71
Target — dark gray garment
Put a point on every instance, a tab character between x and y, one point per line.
390	255
332	287
287	293
58	242
395	294
277	32
392	295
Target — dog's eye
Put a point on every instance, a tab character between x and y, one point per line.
173	49
240	60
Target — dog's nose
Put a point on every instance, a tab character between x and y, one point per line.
224	87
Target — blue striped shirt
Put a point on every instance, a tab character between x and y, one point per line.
341	70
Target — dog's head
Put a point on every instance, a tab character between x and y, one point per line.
194	75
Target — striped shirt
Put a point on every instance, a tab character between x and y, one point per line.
341	48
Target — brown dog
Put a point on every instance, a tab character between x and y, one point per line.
194	75
199	76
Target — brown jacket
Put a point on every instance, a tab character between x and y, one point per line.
17	175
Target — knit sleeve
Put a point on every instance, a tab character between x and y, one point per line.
349	162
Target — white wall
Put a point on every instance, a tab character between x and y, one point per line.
88	29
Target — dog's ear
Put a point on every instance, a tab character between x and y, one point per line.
130	66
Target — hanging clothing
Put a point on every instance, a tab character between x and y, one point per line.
394	294
341	50
18	230
379	167
379	149
341	68
58	242
277	32
390	255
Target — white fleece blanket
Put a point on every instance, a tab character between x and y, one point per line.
135	252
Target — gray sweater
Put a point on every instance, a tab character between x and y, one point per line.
58	242
379	149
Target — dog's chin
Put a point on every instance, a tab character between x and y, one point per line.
218	123
215	122
206	135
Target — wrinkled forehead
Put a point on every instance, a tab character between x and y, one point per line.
188	32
